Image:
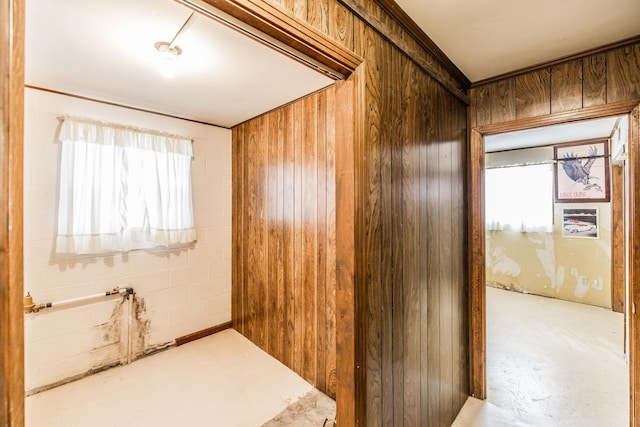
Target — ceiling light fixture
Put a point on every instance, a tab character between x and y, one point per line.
169	52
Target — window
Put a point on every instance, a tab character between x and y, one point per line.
519	198
122	189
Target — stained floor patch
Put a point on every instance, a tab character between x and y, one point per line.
312	409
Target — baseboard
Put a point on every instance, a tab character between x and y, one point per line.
203	333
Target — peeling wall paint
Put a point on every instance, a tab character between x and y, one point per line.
551	265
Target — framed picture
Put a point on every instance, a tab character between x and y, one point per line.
580	223
582	172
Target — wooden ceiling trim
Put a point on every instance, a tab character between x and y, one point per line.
288	30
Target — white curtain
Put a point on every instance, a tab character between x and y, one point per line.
122	189
519	198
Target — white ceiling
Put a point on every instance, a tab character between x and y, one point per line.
105	50
549	135
486	38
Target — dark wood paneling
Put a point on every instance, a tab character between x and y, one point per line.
11	214
503	100
566	86
633	166
604	77
594	80
284	285
401	355
623	73
533	92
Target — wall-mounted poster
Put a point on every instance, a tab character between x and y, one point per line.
582	172
580	223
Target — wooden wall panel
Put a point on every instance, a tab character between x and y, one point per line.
594	80
533	92
284	236
601	78
566	86
623	73
503	100
409	283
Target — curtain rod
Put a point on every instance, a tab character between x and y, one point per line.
124	127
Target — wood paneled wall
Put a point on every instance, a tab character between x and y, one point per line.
601	78
410	220
284	283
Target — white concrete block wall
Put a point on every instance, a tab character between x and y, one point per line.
178	291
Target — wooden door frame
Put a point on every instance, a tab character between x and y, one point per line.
477	267
11	195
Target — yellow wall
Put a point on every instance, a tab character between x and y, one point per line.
573	269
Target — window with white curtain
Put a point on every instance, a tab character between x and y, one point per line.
122	189
519	198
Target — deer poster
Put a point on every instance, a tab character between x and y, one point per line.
582	172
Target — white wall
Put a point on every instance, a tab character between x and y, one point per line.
177	292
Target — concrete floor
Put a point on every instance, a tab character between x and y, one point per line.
551	363
221	380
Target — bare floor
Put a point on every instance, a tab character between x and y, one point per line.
551	363
222	380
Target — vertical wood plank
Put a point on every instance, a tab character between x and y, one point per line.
370	41
533	97
288	264
321	241
410	248
566	86
279	315
398	69
310	234
341	24
298	241
385	240
433	264
503	100
633	166
237	227
623	73
483	105
272	318
594	80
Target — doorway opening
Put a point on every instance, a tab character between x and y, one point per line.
555	347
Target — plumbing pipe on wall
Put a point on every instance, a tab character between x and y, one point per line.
31	307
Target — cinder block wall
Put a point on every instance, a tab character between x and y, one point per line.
177	292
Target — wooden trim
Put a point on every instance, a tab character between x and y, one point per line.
477	274
203	333
421	60
289	30
634	257
409	25
349	366
477	239
618	251
613	109
557	61
12	14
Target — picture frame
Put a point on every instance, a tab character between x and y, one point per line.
582	172
580	223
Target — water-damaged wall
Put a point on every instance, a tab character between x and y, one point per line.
550	264
177	292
